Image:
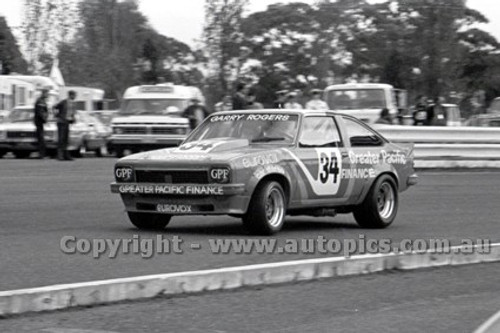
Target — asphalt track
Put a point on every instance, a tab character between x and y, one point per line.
42	201
451	299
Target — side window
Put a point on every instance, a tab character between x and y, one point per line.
319	132
361	136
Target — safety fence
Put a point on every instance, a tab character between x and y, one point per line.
447	143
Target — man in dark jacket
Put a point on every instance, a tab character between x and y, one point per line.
41	115
65	113
280	101
240	97
196	113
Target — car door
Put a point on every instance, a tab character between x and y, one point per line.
365	151
320	158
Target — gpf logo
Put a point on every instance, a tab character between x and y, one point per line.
124	174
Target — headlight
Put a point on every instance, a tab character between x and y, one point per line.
220	175
124	174
180	130
117	130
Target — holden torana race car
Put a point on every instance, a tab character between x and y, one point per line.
262	165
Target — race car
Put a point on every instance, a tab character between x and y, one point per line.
262	165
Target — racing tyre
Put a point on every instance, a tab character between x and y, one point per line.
21	154
380	206
149	221
2	153
267	209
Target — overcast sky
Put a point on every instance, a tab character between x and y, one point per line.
183	20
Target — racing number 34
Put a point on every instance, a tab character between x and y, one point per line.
328	165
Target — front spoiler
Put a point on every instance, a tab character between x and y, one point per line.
412	180
183	199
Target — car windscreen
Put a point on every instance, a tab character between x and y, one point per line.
151	106
256	128
355	99
20	115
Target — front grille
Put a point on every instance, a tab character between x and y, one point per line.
134	130
171	177
17	135
165	130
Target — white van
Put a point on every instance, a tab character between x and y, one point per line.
150	117
365	100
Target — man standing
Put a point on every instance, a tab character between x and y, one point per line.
196	113
252	103
420	111
280	101
41	115
65	116
435	113
316	103
292	102
239	98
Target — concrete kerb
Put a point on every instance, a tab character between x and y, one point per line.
492	325
59	297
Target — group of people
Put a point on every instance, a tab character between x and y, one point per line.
428	113
64	112
288	100
245	99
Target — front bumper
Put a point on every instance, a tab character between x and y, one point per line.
26	144
183	199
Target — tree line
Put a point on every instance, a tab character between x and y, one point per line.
430	47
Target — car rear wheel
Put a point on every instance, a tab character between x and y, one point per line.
380	206
149	221
21	154
2	153
267	209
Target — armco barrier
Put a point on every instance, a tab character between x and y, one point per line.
447	143
469	151
437	134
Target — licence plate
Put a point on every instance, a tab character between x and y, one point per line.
149	140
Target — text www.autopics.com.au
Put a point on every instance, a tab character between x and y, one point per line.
147	247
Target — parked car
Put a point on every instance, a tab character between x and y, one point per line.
18	134
261	165
484	120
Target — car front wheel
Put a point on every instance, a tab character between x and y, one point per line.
149	221
267	209
380	206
